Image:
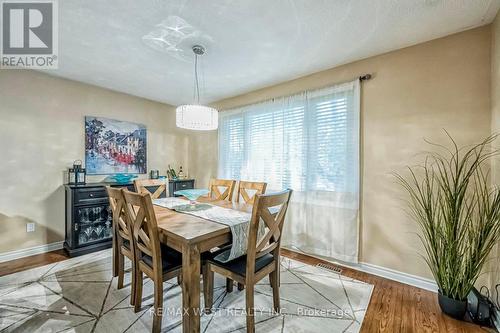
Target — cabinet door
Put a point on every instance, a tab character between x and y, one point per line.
93	224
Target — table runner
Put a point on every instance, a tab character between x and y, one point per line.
236	220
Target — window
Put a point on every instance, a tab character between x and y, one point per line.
307	142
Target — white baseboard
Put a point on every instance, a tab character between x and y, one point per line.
17	254
384	272
398	276
393	275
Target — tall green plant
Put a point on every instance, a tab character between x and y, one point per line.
458	213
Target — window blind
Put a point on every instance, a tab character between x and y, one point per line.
304	142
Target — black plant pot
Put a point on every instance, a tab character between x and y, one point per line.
452	307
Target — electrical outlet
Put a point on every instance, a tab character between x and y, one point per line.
30	227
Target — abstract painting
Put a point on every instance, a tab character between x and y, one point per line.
114	146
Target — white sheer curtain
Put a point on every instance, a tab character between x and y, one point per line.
308	142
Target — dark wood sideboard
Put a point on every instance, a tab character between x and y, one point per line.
88	215
89	225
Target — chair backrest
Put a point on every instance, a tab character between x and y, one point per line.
271	210
139	209
244	186
215	193
121	224
155	187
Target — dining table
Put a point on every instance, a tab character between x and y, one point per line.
192	235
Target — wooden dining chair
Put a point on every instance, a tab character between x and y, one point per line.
244	187
215	193
159	262
262	258
249	198
157	188
124	242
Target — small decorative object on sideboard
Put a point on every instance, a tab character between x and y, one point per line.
77	174
180	175
154	174
171	174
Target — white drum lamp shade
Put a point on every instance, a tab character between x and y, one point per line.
196	117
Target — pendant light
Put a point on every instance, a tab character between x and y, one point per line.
196	116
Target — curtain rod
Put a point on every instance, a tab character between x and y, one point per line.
364	77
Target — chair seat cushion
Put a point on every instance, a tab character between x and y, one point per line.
170	259
239	265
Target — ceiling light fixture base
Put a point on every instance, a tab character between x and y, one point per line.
198	49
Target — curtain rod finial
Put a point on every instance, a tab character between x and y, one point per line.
365	77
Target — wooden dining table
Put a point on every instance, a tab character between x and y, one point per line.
192	235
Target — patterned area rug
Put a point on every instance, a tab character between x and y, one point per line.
80	295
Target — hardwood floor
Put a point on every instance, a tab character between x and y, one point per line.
13	266
394	307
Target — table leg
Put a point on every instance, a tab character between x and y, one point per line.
191	289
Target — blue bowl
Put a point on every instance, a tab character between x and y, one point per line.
192	194
121	178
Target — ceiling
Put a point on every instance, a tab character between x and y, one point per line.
250	43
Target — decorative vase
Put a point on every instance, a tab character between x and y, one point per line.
452	307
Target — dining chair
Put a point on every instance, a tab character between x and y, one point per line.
262	258
155	187
245	186
159	262
124	242
215	193
243	191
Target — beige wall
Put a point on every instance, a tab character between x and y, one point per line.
203	157
414	94
42	133
495	107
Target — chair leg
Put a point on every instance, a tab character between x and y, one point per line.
179	279
121	270
115	252
250	309
132	284
241	286
208	288
229	285
276	290
138	291
158	306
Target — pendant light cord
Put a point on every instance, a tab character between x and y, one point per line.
196	79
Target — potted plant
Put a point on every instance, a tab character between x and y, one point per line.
458	212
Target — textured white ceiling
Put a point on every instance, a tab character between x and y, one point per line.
250	43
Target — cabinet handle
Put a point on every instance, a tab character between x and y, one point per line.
91	195
184	185
76	226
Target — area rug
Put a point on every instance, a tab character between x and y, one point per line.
80	295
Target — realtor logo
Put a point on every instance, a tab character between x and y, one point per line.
29	34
